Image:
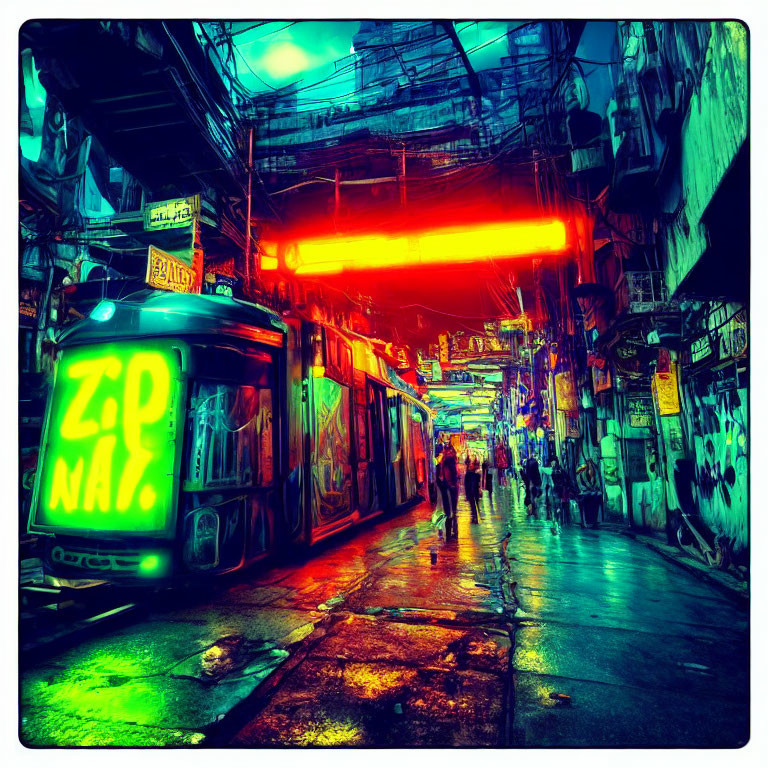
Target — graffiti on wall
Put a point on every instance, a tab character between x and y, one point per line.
719	427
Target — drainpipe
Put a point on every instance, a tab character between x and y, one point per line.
43	313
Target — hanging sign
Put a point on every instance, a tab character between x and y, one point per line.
601	379
733	337
664	387
169	273
572	427
444	354
169	214
565	392
28	309
701	349
640	409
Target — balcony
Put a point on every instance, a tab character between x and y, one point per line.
642	292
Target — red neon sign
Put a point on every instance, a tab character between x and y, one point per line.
449	245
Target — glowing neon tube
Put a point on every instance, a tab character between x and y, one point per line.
444	246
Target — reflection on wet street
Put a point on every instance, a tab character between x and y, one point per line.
587	638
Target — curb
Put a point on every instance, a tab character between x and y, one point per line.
739	595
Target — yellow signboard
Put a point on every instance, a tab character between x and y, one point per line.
565	393
444	354
169	214
665	390
169	273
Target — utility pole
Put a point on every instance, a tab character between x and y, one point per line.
474	80
336	195
248	215
403	192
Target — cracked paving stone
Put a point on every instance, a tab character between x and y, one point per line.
227	659
332	703
160	701
602	715
362	638
55	729
252	623
249	594
601	654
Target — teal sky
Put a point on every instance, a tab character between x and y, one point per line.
320	55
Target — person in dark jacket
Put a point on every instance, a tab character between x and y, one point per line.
487	480
532	484
472	485
590	494
442	486
561	485
500	458
450	477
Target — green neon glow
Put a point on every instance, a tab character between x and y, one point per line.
149	564
108	461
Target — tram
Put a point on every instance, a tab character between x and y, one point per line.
190	434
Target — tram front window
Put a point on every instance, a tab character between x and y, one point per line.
230	435
229	431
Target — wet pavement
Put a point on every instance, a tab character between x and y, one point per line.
583	638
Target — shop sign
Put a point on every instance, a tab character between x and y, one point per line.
727	379
509	325
601	379
170	214
444	355
27	309
29	296
733	337
640	409
565	392
664	387
572	426
169	273
700	349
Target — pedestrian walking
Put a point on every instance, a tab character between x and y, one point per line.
500	459
532	484
450	478
487	479
472	485
562	488
442	486
590	494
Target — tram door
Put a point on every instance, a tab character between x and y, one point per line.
365	483
409	449
229	493
331	463
294	488
396	453
377	430
419	443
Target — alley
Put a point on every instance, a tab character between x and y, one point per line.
295	297
368	643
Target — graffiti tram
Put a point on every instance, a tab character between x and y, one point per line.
196	434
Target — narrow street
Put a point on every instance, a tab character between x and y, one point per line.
285	285
368	643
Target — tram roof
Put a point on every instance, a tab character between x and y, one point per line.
160	313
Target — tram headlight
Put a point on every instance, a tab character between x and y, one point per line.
154	564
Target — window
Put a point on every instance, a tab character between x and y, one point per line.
229	424
394	426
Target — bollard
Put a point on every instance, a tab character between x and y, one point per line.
433	556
